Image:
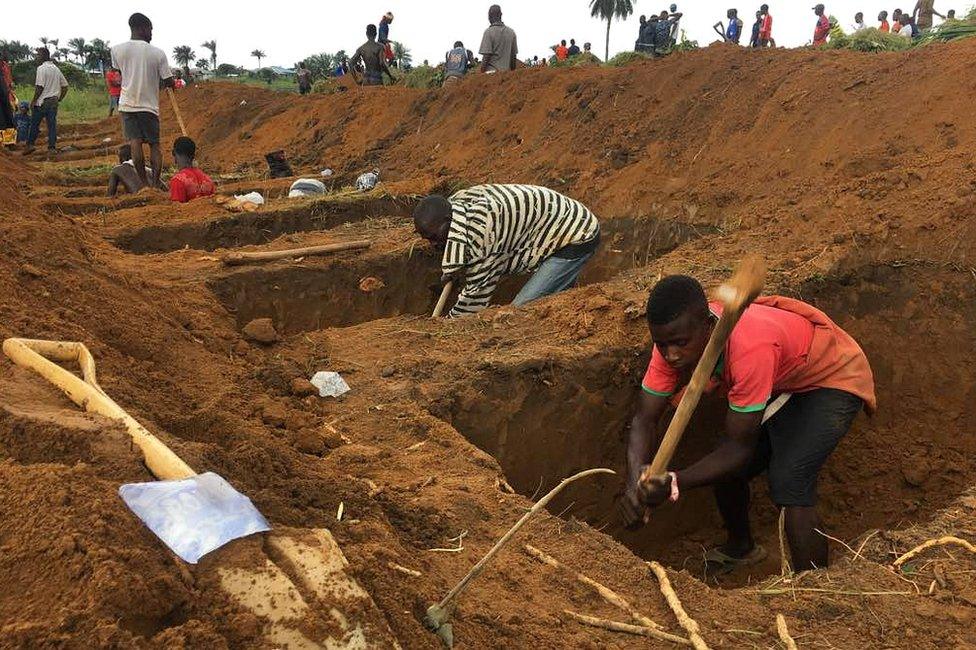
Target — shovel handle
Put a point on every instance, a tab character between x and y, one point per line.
442	301
737	294
86	393
176	109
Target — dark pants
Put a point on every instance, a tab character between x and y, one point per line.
47	111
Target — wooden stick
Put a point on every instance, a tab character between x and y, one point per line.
403	569
237	259
941	541
606	593
442	301
438	614
784	562
86	393
614	626
176	109
742	289
685	621
784	633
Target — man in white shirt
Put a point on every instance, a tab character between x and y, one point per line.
50	87
144	71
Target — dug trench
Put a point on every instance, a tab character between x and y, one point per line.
549	417
341	291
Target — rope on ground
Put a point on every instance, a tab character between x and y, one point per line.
606	593
614	626
784	633
941	541
685	621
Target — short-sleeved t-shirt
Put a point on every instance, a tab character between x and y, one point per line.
51	79
188	184
766	29
500	43
780	345
562	52
143	67
114	80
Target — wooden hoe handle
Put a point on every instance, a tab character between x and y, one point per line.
737	294
442	301
176	109
86	393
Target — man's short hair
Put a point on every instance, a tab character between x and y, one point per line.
185	147
495	11
139	21
371	31
672	297
432	211
764	8
125	153
44	52
458	44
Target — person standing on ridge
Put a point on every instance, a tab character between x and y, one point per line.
859	25
499	45
924	9
304	79
883	19
50	87
756	30
384	36
639	43
676	16
897	24
562	52
732	33
822	29
766	30
370	54
145	70
573	48
780	346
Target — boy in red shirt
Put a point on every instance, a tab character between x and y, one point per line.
780	346
884	26
113	79
822	30
766	29
189	182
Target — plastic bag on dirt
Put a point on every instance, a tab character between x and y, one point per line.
330	384
251	197
194	516
306	187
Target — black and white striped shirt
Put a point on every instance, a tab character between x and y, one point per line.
501	229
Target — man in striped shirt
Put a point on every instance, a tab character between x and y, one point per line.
489	231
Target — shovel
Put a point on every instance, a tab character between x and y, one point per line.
191	513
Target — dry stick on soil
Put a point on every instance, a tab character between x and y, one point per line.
442	301
685	621
614	626
438	615
237	259
784	633
941	541
784	564
606	593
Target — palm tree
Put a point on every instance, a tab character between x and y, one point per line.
212	46
78	48
203	64
608	10
258	54
401	55
53	44
44	40
98	54
183	54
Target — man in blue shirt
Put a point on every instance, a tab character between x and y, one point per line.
457	62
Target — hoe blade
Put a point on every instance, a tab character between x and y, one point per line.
194	516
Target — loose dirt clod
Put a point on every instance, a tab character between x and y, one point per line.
261	330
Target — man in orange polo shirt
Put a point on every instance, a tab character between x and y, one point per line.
780	346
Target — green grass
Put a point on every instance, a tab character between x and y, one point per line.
79	105
283	84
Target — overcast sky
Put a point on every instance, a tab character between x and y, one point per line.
290	30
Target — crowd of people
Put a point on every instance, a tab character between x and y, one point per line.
659	33
905	24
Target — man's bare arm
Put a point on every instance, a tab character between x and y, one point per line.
37	93
730	457
642	442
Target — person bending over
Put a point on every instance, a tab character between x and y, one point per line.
189	182
779	346
489	231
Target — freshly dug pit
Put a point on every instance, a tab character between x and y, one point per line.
333	292
547	418
315	296
251	228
